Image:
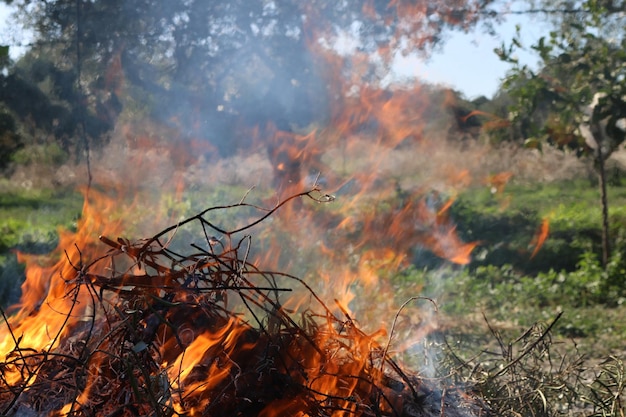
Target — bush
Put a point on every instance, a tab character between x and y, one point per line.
48	154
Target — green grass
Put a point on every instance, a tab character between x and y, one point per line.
29	222
32	217
501	279
568	204
504	225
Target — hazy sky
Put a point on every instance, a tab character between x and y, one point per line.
466	62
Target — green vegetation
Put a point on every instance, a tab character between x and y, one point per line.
565	274
28	223
504	225
32	217
497	312
510	285
49	154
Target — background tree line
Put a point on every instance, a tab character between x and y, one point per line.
205	66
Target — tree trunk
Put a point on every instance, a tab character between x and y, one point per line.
606	250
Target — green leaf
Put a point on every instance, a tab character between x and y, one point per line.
4	51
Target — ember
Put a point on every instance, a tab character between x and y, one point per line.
143	328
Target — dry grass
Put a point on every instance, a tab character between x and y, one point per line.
432	161
440	163
533	375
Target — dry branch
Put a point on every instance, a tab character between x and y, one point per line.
205	333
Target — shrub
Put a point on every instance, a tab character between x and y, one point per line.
504	227
47	154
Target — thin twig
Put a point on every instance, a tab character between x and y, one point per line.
530	347
395	320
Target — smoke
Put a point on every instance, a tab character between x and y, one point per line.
251	99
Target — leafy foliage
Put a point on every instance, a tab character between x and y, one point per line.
48	154
585	56
504	226
578	98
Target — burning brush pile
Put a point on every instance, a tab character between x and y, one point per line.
145	328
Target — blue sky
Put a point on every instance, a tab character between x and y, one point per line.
466	62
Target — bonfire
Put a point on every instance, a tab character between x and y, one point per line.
157	327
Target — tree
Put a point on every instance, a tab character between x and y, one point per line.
577	99
211	65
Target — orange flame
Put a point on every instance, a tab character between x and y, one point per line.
541	236
38	318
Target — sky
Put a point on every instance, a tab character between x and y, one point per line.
466	62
